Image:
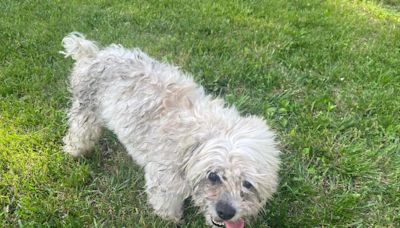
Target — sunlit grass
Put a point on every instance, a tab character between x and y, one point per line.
325	74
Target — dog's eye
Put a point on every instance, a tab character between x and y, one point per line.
247	184
213	177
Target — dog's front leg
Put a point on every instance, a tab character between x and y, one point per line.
166	191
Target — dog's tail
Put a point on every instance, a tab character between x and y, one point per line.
76	46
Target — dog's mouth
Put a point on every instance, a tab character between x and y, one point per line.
219	224
229	224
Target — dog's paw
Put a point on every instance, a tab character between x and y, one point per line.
71	150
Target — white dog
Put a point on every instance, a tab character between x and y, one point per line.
189	143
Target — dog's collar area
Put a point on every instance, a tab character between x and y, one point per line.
219	224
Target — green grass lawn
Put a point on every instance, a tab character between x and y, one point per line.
325	74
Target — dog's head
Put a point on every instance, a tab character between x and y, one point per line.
235	173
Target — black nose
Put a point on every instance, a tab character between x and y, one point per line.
224	210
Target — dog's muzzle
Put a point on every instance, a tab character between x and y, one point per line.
226	212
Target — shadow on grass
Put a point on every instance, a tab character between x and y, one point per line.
115	190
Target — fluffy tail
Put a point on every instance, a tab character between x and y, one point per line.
78	47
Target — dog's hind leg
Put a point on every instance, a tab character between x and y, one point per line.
84	130
166	191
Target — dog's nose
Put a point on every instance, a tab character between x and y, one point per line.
224	210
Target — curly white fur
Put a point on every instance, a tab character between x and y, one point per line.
173	129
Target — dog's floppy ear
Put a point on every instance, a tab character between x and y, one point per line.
258	140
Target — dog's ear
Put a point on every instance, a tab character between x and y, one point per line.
258	140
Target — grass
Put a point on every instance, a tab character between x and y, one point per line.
325	74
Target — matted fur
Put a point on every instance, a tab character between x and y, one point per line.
170	127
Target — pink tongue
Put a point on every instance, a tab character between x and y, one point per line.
237	224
